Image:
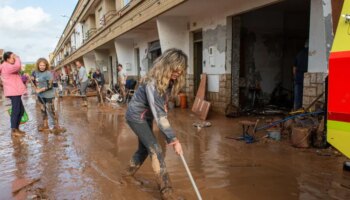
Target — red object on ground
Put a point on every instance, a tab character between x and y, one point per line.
183	100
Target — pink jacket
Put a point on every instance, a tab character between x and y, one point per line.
11	80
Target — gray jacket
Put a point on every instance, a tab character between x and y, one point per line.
147	104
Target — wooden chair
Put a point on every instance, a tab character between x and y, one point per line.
131	91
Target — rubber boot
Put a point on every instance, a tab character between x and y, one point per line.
128	176
44	126
57	130
168	194
15	132
20	131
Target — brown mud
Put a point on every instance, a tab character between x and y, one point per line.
87	160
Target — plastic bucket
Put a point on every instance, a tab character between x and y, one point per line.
274	134
183	100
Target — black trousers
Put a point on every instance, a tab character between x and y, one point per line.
17	111
148	146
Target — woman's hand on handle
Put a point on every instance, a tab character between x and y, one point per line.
177	147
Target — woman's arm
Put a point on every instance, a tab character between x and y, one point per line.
16	67
157	104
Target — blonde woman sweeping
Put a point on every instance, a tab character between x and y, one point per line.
163	81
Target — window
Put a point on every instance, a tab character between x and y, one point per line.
100	17
125	2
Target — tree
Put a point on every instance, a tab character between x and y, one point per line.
28	68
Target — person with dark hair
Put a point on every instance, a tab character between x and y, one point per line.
162	82
98	76
299	68
13	89
100	79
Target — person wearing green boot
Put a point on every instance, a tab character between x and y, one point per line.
13	89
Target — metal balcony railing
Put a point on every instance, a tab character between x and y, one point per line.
109	15
89	33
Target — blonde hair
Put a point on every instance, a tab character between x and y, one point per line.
44	61
171	60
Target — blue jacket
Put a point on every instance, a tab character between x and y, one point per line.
147	104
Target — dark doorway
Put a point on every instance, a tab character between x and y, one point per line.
197	59
270	39
137	61
110	81
154	52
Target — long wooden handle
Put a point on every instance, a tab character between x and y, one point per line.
191	178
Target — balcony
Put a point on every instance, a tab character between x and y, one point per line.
116	23
89	34
109	15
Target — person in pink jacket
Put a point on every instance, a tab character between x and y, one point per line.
13	88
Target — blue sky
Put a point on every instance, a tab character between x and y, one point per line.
31	28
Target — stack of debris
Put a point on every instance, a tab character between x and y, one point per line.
201	106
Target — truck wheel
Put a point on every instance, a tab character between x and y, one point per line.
346	166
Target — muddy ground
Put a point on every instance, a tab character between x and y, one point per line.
86	161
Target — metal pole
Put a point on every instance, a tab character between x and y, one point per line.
191	178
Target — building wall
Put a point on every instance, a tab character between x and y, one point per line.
109	5
320	39
112	72
118	4
102	59
79	35
90	22
99	14
125	54
173	33
73	40
89	61
314	86
214	32
142	42
217	43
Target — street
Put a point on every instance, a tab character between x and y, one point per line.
86	161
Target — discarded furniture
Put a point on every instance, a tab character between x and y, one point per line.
130	86
301	137
200	106
246	125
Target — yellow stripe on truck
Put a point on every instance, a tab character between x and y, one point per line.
338	135
342	40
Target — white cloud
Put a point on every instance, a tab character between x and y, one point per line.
29	32
26	19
